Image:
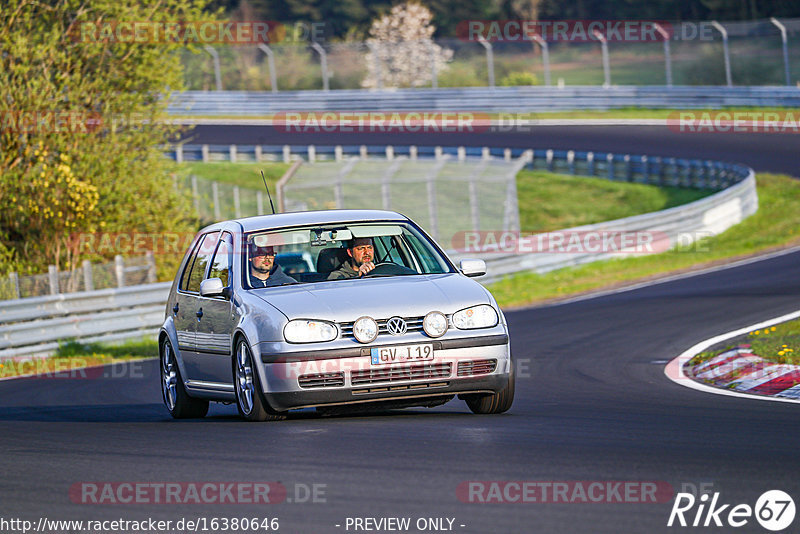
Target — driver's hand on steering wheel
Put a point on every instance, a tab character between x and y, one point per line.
365	268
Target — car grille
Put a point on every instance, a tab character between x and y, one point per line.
401	374
414	325
476	367
321	380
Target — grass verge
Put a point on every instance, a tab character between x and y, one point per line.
241	174
555	201
775	225
779	344
72	356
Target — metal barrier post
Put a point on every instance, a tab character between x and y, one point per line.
195	195
323	58
667	53
376	64
545	57
88	279
434	72
151	267
217	71
721	29
52	276
237	210
273	79
489	58
119	270
606	63
785	40
14	277
215	197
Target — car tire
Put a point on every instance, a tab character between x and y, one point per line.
494	403
176	399
249	399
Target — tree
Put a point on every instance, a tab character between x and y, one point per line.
80	125
402	48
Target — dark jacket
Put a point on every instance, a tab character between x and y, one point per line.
345	271
276	278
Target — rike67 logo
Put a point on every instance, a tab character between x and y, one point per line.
774	510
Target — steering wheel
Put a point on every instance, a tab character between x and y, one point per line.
387	268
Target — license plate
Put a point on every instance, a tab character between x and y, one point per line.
402	353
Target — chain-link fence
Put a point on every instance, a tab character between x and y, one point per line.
697	53
445	195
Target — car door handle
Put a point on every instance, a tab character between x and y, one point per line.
199	313
175	308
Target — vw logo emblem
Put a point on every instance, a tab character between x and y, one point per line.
396	326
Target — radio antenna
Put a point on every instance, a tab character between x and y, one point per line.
268	195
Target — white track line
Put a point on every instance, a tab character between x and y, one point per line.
674	369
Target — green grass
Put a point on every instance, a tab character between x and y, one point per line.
775	225
241	174
779	344
74	355
554	201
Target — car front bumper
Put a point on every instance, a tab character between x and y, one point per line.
347	376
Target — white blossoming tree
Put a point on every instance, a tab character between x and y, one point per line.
401	50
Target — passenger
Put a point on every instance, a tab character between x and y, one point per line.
361	254
264	270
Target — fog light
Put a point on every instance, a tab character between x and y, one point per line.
365	329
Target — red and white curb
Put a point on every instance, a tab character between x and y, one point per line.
737	372
740	370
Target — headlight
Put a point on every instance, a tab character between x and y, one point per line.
365	329
307	331
482	316
435	324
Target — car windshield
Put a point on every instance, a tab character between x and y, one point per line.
320	253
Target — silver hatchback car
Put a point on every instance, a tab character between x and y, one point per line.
410	329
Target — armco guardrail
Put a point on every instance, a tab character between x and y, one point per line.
33	326
497	99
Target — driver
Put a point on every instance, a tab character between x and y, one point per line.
361	254
264	270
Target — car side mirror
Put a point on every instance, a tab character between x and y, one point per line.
212	287
472	268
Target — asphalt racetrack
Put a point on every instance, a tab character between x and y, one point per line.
592	404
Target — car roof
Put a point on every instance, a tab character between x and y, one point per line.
299	218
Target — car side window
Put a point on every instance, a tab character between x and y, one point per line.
188	268
221	264
201	260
